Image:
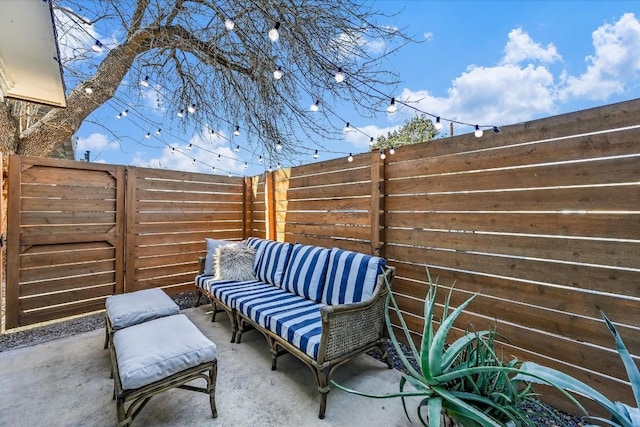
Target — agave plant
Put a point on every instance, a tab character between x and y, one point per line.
622	415
465	380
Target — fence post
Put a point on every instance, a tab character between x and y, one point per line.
270	204
377	205
12	313
247	208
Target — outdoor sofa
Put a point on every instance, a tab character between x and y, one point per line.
324	306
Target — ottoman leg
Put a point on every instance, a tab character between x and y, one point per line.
213	375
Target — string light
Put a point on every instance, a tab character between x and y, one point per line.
191	108
158	131
89	90
315	155
339	76
148	135
97	47
392	108
194	161
190	147
347	128
371	142
237	131
274	34
145	82
278	146
246	165
180	114
279	166
173	150
229	24
315	106
118	116
260	160
124	113
496	129
438	125
350	158
382	155
218	157
237	148
478	133
213	168
392	151
277	74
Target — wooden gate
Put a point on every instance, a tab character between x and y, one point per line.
65	238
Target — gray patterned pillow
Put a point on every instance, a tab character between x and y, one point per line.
235	262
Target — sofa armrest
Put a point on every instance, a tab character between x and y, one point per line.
201	265
349	327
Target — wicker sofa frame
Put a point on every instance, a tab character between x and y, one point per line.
348	330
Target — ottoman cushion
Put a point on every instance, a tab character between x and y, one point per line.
153	350
136	307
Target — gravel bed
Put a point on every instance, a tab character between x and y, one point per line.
25	337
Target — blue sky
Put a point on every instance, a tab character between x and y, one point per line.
486	62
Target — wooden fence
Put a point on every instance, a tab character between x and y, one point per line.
79	232
543	219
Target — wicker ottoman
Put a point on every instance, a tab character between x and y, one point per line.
158	355
137	307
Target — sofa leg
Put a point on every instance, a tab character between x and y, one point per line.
214	310
198	295
323	388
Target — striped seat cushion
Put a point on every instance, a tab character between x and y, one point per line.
228	292
262	303
306	271
300	323
273	261
351	277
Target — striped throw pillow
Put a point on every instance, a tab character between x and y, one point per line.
273	261
351	277
306	271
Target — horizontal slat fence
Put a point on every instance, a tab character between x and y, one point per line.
543	220
64	238
170	215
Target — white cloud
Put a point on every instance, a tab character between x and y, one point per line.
521	47
615	62
205	148
362	139
96	142
152	98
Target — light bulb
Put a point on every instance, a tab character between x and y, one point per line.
371	142
194	161
315	107
278	146
124	113
279	166
438	125
213	168
237	148
181	113
277	74
315	155
496	129
173	150
118	116
237	131
339	76
229	174
192	108
350	158
347	128
89	90
158	131
382	155
145	82
97	47
274	34
190	147
392	108
229	24
219	157
478	133
246	165
392	151
148	135
260	160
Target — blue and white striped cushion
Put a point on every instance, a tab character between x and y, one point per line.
259	245
260	307
227	290
273	262
351	277
306	271
301	326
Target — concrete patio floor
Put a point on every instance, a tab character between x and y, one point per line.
66	383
